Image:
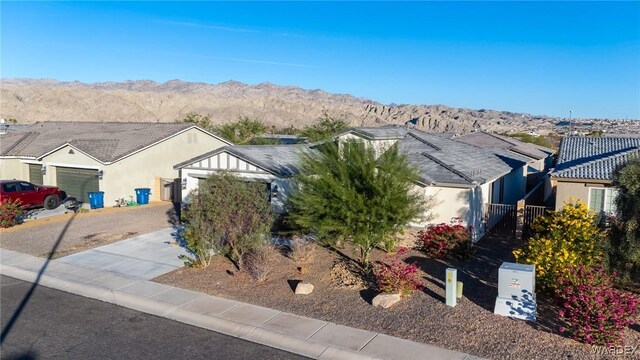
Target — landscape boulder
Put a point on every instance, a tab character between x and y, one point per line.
304	288
385	300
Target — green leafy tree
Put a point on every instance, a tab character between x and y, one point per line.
203	121
226	215
536	140
346	194
241	131
324	129
623	243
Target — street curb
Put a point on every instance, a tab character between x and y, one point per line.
273	339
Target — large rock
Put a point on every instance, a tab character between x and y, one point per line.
304	288
385	300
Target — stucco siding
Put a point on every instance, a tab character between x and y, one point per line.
379	146
141	169
565	190
466	204
13	169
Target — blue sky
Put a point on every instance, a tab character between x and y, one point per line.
540	58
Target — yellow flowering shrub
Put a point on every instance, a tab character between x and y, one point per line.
561	238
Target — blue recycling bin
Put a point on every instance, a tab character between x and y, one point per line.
96	199
142	196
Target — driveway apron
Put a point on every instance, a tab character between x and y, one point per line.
144	257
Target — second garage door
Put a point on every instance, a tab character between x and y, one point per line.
77	182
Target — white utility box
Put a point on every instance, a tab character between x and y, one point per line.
516	291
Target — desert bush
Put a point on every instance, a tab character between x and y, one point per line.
302	251
226	215
446	241
347	194
563	238
397	277
259	261
595	311
623	238
10	213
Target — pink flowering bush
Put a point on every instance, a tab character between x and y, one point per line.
595	311
397	276
446	241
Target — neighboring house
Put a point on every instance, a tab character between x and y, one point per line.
586	168
461	178
114	157
273	165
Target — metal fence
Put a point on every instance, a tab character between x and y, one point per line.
531	213
501	218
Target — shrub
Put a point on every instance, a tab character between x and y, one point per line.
397	276
562	238
446	241
346	193
10	213
259	261
623	240
595	311
227	215
302	251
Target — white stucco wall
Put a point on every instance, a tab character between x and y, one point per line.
13	169
379	146
466	204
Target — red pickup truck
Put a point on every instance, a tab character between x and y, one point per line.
30	194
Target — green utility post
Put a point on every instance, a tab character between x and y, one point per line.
451	286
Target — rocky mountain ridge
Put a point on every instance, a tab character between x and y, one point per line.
31	100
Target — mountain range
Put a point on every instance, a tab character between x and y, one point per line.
32	100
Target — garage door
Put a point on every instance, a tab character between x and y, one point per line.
77	182
35	174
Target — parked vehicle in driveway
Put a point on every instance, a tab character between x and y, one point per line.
31	195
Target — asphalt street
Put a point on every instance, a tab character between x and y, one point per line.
58	325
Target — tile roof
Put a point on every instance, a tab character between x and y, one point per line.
493	141
440	160
594	157
447	161
282	160
105	141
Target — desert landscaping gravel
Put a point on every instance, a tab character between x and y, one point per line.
470	327
85	230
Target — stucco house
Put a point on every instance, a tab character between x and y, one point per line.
273	165
460	177
114	157
586	168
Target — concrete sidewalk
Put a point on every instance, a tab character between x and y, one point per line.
309	337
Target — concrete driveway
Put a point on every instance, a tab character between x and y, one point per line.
71	233
144	257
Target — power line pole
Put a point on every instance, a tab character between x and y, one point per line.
570	123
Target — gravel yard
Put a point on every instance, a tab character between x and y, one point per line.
470	327
85	230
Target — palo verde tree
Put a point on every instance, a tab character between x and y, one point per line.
623	240
227	215
346	194
203	121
